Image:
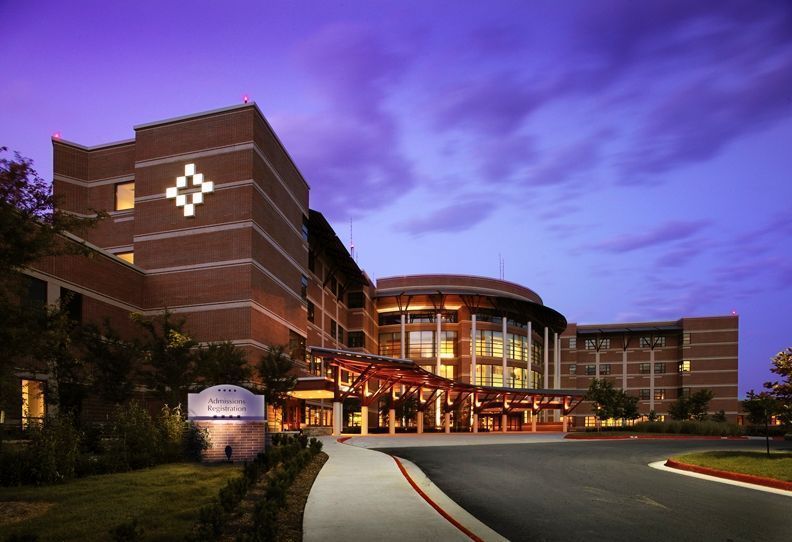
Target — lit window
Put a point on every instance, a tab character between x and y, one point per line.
127	256
489	343
659	395
390	344
421	344
33	408
448	342
447	371
684	366
489	375
124	196
591	421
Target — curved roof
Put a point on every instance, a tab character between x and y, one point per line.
476	293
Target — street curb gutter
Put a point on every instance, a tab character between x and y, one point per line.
740	477
444	505
661	465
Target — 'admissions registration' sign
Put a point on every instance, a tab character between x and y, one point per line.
225	402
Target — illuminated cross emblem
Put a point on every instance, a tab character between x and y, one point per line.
190	186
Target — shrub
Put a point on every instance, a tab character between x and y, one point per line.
210	522
315	446
127	532
303	440
196	440
53	450
171	426
689	427
24	537
136	440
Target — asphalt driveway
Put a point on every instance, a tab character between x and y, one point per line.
601	490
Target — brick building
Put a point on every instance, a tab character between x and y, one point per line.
210	218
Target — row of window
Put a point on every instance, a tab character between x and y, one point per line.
604	343
490	343
417	317
643	368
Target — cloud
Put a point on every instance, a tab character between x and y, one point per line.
453	218
569	162
349	149
666	233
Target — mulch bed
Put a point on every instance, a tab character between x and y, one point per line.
290	518
16	511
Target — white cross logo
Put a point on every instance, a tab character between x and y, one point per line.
196	191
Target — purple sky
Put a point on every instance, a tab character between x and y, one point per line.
629	160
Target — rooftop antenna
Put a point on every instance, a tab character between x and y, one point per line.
351	242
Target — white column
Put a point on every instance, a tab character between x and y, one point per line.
651	377
392	421
437	343
419	420
624	369
533	421
565	422
504	422
475	422
403	335
557	345
545	352
447	422
530	355
364	420
505	348
473	349
338	415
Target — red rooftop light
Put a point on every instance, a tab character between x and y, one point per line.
245	98
56	135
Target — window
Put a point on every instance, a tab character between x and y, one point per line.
597	344
518	347
305	228
390	344
652	342
590	421
341	291
645	368
684	366
572	343
126	256
605	369
489	375
333	328
518	377
33	408
683	392
311	311
659	368
420	317
686	339
340	334
311	261
296	346
489	343
333	284
389	318
124	196
356	300
643	394
356	339
591	370
303	286
447	371
420	344
448	344
72	302
659	395
36	292
573	369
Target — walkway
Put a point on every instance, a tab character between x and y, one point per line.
362	495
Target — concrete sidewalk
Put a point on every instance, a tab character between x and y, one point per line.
362	495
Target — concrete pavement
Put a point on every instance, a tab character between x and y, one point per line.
362	494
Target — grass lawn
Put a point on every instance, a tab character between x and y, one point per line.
778	465
164	499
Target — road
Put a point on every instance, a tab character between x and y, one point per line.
601	490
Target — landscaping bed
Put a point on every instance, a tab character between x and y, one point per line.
776	466
621	435
164	500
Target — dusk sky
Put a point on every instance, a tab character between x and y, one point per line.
629	160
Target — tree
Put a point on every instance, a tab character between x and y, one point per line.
782	390
111	362
275	371
604	399
629	406
699	404
222	363
696	406
760	408
170	362
31	227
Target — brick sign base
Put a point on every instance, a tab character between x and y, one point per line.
246	439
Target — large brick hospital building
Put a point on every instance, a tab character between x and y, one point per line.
209	217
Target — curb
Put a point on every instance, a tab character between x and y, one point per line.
652	437
729	475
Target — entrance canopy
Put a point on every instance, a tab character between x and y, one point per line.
372	377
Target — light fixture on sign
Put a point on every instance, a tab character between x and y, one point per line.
189	190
